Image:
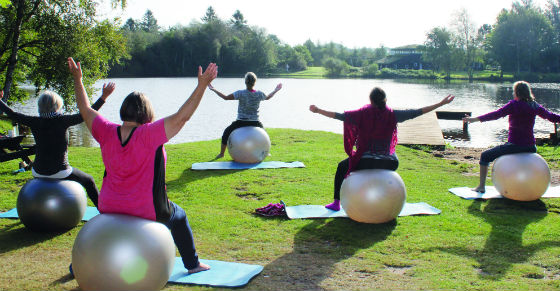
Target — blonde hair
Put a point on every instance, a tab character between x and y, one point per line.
250	79
523	91
49	102
138	108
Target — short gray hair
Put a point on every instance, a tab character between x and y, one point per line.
49	102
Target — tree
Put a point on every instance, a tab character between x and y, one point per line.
520	38
466	40
149	22
238	21
210	15
130	25
37	36
439	50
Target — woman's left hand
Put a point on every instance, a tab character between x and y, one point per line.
108	89
447	99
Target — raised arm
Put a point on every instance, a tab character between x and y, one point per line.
278	87
444	101
15	116
108	89
88	114
326	113
175	122
222	95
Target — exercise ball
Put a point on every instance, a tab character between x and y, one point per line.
122	252
249	144
51	205
521	177
373	196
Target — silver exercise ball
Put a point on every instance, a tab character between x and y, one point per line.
373	196
51	205
122	252
521	177
249	144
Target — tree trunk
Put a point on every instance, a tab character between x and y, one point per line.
12	60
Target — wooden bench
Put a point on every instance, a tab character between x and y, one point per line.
11	149
454	115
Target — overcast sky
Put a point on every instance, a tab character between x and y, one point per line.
354	23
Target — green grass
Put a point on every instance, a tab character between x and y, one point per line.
475	245
5	125
309	73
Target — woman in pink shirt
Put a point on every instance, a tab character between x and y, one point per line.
522	111
135	158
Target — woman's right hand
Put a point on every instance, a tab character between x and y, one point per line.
467	119
209	74
210	87
313	108
108	89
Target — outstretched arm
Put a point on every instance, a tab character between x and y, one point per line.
278	87
326	113
444	101
88	114
222	95
175	122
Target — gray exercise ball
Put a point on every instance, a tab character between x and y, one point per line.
521	177
122	252
51	205
249	144
373	196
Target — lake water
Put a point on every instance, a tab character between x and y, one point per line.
289	107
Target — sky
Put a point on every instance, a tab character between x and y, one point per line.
353	23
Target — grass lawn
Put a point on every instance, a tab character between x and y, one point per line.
478	245
309	73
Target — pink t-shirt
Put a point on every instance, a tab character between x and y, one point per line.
128	186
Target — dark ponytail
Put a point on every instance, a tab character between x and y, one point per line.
378	98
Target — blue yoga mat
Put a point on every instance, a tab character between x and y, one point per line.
241	166
319	211
221	274
492	193
90	213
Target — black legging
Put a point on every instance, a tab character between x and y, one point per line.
237	124
364	163
87	182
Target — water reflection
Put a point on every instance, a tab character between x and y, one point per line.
289	108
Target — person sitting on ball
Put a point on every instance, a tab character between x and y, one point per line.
135	159
522	111
372	129
50	131
248	109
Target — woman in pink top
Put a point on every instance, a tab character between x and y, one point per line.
134	159
522	111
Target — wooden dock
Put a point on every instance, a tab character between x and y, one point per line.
425	129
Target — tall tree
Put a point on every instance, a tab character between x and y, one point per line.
521	37
210	15
466	41
37	36
238	20
439	50
149	22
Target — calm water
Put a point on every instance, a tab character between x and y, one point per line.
289	107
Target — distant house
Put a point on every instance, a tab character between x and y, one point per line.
404	57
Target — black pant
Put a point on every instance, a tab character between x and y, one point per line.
237	124
364	163
87	182
181	231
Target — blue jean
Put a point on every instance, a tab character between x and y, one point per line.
181	231
490	155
